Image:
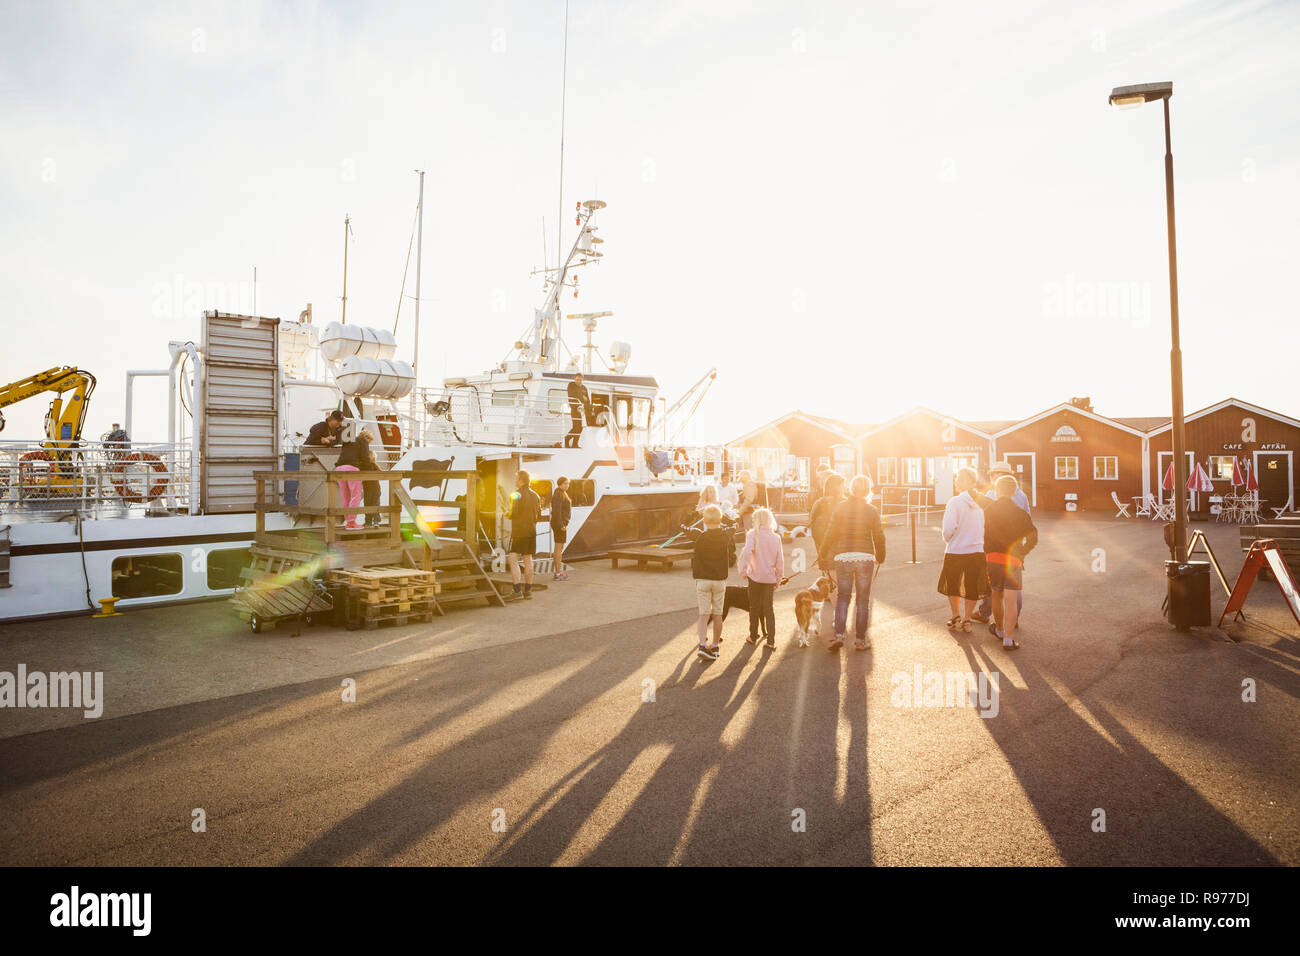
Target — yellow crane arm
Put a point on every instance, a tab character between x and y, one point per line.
64	420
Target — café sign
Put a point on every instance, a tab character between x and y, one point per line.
1066	433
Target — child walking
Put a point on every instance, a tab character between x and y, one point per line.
715	553
762	563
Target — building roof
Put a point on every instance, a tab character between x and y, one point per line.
1143	423
1069	407
827	424
1166	423
922	410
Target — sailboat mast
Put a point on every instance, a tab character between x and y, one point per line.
560	264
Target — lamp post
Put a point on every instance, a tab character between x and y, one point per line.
1127	97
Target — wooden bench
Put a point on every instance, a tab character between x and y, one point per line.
664	557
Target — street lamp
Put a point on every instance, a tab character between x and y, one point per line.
1128	97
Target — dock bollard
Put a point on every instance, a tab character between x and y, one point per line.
911	523
107	608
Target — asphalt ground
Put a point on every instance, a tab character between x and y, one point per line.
579	727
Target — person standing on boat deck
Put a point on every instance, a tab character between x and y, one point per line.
819	519
984	613
855	547
561	511
525	510
355	456
963	576
1009	534
711	561
326	433
579	410
762	563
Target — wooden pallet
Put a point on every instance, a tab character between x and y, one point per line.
461	577
665	558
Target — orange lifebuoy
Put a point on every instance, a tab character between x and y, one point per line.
25	484
119	477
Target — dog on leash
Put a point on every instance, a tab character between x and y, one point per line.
808	605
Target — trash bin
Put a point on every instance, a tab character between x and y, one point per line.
1189	594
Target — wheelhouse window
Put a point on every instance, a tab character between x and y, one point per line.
557	400
1067	468
912	471
1221	468
508	398
887	470
582	492
1105	468
147	575
224	567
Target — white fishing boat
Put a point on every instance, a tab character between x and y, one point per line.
146	523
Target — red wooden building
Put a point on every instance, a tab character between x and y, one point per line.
1069	458
1232	428
913	457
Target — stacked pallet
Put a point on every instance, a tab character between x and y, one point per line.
392	594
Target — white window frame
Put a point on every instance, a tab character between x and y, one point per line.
1216	477
1100	458
1056	467
887	471
905	469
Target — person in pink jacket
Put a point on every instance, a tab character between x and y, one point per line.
762	564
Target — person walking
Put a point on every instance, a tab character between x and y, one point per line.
749	494
819	519
715	553
817	487
762	564
525	510
984	613
579	409
855	548
561	512
963	576
1009	534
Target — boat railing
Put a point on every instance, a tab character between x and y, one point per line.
464	414
38	475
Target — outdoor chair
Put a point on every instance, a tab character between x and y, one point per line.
1122	506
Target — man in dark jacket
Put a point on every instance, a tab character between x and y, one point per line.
525	510
1009	534
561	511
715	553
327	432
579	403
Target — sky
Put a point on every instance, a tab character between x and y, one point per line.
852	209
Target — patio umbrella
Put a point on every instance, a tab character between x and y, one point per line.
1252	483
1237	477
1200	479
1168	483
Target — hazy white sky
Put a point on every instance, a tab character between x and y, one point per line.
849	208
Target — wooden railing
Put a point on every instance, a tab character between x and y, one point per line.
399	499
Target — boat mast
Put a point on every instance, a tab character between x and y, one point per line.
347	228
419	252
559	212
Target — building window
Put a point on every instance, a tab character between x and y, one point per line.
224	567
1067	468
965	461
1221	467
887	470
147	575
1105	468
912	471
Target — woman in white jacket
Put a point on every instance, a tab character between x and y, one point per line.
964	576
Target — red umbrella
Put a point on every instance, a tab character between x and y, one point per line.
1199	480
1237	477
1168	482
1252	484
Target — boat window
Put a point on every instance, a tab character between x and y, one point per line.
147	575
542	487
621	407
508	399
641	410
224	567
582	492
557	400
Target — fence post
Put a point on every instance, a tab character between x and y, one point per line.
911	523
